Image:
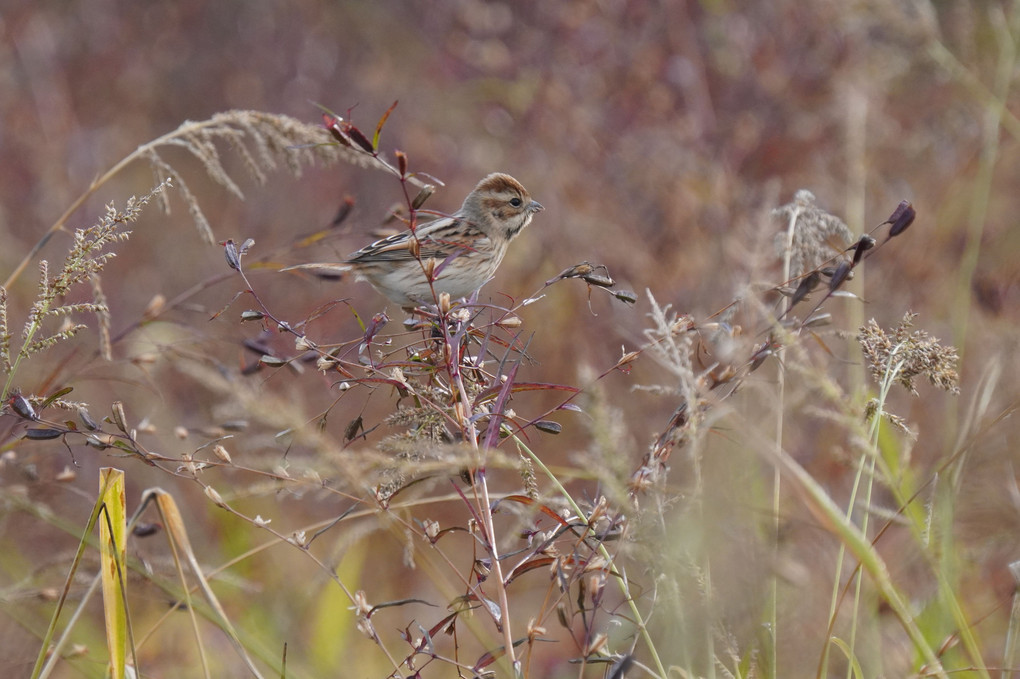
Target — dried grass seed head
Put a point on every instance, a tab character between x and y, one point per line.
816	237
911	354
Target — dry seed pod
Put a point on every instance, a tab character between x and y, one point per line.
119	418
230	253
21	406
901	219
414	247
87	420
809	283
355	135
839	276
548	426
865	243
43	434
598	280
423	195
625	296
333	125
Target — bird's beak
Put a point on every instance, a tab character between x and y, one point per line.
535	206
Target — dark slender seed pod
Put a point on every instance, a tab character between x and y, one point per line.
809	283
865	243
904	217
839	276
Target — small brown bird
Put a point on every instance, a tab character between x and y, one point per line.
465	248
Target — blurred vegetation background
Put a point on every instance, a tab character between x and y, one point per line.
658	136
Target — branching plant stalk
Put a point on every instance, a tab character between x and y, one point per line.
620	581
467	425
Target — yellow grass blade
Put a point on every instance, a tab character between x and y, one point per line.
112	552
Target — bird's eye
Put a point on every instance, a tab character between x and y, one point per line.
516	202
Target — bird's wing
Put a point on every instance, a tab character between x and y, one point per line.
436	240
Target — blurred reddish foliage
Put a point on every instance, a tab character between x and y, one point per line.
657	135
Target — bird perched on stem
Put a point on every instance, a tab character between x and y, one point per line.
455	255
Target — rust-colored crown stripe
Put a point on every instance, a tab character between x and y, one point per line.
497	182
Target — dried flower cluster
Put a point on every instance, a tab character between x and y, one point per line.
816	235
909	355
86	258
259	139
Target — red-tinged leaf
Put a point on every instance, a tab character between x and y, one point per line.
444	625
499	407
519	387
528	501
401	162
379	126
531	564
333	124
490	657
40	434
358	138
519	499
